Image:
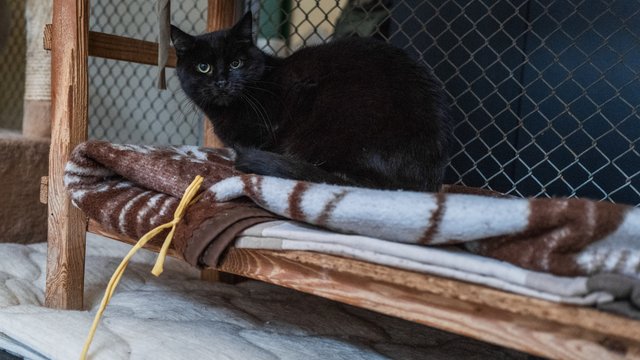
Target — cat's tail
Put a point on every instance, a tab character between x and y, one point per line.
254	161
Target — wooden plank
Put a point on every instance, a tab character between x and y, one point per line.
44	189
527	324
119	48
66	224
126	49
46	37
214	275
531	325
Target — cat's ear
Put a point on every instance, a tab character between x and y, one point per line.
181	40
244	28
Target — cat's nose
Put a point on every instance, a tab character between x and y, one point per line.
221	83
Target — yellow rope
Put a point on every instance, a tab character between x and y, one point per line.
187	198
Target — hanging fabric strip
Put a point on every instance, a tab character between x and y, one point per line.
164	22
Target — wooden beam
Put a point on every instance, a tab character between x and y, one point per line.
126	49
46	37
530	325
221	14
527	324
66	224
119	48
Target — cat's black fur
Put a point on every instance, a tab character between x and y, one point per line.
354	111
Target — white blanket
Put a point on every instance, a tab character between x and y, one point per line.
444	261
178	316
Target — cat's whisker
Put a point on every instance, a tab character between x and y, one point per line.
267	119
255	110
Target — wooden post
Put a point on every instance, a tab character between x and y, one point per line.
67	224
221	14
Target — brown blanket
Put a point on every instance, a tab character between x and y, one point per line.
130	189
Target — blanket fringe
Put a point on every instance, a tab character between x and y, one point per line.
188	198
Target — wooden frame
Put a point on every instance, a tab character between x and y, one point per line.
530	325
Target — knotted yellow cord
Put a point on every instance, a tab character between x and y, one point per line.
187	198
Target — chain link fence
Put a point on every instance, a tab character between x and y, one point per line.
12	62
124	104
544	94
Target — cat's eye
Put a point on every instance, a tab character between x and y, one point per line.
204	68
236	64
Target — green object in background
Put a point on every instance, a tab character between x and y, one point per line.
273	19
364	19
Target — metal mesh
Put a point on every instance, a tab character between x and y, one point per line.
544	94
12	62
124	104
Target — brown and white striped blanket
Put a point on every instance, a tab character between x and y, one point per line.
130	189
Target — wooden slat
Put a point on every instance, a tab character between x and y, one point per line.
527	324
66	224
530	325
46	37
44	189
119	48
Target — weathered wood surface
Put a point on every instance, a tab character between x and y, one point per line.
527	324
119	48
44	189
530	325
122	48
66	224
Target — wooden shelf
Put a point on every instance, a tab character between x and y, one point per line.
519	322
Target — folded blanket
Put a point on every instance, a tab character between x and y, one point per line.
447	261
130	189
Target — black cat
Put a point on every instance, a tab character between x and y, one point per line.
354	111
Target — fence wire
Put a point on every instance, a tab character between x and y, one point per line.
544	93
124	104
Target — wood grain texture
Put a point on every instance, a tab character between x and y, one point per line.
214	275
222	14
527	324
44	189
534	326
46	37
66	224
126	49
119	48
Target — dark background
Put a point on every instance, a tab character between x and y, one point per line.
544	94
